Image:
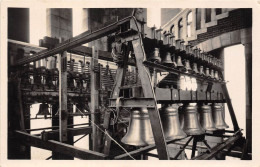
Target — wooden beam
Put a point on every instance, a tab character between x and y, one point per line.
59	147
50	135
230	107
63	111
83	38
149	93
94	105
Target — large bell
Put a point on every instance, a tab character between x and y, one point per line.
43	110
155	56
139	131
202	71
171	124
191	121
206	119
218	116
167	59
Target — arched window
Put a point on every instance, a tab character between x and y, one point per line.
172	30
189	21
180	26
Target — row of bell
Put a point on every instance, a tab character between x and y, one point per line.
44	110
167	60
175	126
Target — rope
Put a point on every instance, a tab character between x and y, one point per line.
105	132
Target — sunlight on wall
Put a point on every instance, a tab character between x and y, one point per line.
37	24
235	75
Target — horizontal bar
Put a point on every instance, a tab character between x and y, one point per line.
50	135
59	147
142	150
83	38
218	148
133	102
175	71
52	93
36	129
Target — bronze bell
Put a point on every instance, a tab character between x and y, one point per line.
202	71
139	131
206	119
191	121
167	59
187	65
207	73
170	122
195	68
179	62
43	110
155	56
216	75
212	74
218	116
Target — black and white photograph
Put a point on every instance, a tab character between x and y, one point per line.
91	81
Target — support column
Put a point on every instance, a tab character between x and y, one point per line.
193	24
213	14
203	12
248	56
184	22
95	118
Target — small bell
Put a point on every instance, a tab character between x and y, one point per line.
179	63
167	59
171	124
195	68
207	73
202	71
206	119
43	110
155	56
218	116
216	75
212	74
187	65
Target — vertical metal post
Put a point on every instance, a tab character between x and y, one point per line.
63	112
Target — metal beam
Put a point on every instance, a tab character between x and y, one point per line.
217	148
71	132
59	147
83	38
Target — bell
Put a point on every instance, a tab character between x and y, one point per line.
212	74
43	110
218	116
173	60
179	62
167	59
155	56
191	121
202	71
195	68
207	73
139	131
171	124
206	119
187	65
216	75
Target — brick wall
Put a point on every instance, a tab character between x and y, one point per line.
237	19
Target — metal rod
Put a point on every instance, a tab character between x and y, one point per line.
29	130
